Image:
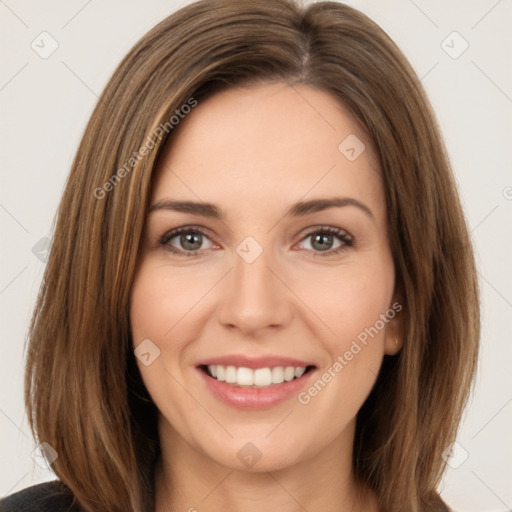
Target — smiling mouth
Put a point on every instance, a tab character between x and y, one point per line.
255	378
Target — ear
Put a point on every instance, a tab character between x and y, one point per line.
394	336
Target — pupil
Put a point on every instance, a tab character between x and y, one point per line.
188	239
323	244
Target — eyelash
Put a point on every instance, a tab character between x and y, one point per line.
342	235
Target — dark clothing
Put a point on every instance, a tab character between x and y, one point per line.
51	496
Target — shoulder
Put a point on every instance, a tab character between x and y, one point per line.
52	496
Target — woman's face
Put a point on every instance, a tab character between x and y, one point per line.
265	278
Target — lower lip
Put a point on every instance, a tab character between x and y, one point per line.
255	398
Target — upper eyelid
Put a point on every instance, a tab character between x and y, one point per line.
171	233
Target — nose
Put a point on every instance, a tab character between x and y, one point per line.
255	297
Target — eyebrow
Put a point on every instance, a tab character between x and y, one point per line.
298	209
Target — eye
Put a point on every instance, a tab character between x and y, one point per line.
185	241
188	241
323	241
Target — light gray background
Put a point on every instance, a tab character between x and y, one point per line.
45	106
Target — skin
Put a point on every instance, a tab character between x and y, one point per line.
253	152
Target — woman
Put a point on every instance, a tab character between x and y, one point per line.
261	292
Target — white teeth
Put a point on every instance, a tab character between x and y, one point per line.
278	375
221	373
289	373
230	374
260	377
245	377
299	372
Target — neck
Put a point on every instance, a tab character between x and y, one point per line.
188	480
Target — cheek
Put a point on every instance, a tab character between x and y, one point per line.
355	350
351	299
147	308
360	321
160	300
355	304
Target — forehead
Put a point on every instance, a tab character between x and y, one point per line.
268	144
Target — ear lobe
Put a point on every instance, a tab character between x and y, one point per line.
392	345
394	331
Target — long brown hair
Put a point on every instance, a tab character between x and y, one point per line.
83	391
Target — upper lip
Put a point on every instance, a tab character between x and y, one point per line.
240	360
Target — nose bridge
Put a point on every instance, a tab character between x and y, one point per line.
254	298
